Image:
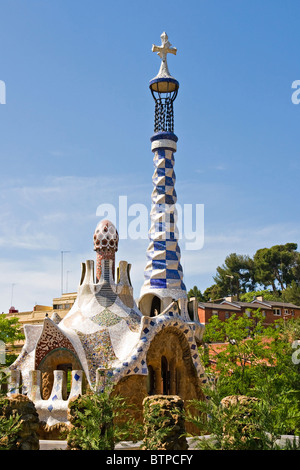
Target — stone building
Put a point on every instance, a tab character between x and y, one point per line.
142	348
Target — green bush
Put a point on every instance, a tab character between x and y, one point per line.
9	425
164	423
9	430
255	362
99	421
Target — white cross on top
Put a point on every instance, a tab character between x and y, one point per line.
165	47
162	51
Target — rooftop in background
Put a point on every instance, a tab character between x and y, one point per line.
271	309
61	306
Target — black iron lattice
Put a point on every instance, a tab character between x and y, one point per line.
164	112
164	115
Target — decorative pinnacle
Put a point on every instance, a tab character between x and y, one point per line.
162	51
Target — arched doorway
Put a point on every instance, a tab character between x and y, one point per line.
169	356
57	359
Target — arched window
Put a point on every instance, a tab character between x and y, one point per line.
155	306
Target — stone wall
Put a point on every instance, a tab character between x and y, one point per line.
133	389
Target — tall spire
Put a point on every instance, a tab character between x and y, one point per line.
163	272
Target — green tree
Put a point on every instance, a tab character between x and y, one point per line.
266	294
212	293
10	332
242	352
292	293
276	266
195	292
236	275
258	362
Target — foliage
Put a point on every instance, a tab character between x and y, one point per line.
235	275
9	425
156	428
213	292
9	430
10	332
266	294
241	425
276	268
292	293
255	362
164	423
99	421
244	349
195	292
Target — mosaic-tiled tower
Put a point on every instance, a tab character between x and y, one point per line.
106	239
163	273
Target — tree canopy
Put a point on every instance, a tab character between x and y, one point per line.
10	332
275	271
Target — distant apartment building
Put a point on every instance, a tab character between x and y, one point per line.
271	309
60	306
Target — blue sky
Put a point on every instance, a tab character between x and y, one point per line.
76	128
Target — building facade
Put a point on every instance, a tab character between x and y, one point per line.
271	310
60	307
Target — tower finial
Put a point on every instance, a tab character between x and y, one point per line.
164	89
106	239
162	51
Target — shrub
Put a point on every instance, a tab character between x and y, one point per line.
164	423
99	421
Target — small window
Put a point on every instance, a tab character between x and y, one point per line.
286	311
277	311
227	315
155	306
191	310
215	312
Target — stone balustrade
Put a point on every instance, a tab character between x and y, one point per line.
55	409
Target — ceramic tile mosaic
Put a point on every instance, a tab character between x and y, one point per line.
106	318
163	269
